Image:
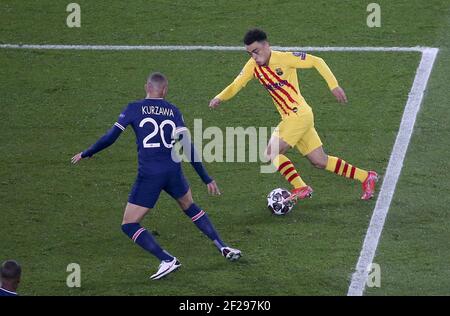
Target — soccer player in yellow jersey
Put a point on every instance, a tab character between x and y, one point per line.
277	72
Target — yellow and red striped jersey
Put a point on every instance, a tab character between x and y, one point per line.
280	79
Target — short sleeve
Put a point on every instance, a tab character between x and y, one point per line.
125	118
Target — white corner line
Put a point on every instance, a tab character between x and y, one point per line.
359	277
209	48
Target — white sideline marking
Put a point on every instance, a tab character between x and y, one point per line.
359	278
394	167
214	48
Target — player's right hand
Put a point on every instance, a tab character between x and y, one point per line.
76	158
213	189
214	103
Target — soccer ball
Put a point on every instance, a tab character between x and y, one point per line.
275	201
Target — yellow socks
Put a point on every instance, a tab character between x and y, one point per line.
287	170
344	169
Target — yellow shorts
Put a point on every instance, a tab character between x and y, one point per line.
298	131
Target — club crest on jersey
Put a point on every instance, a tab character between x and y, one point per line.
302	55
279	71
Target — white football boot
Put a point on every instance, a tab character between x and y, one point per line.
231	253
165	268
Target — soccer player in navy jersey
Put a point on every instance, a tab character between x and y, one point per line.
10	273
157	125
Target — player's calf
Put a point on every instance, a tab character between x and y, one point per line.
145	240
203	223
287	169
201	220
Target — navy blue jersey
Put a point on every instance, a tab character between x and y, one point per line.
4	292
155	123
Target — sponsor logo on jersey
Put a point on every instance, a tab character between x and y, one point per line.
277	85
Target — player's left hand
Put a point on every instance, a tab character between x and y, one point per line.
339	94
213	189
76	158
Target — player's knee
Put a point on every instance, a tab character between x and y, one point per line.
267	156
185	205
186	201
129	219
270	155
126	221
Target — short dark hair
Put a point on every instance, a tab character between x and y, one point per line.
158	78
10	270
254	35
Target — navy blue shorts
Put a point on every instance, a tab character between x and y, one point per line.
146	190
